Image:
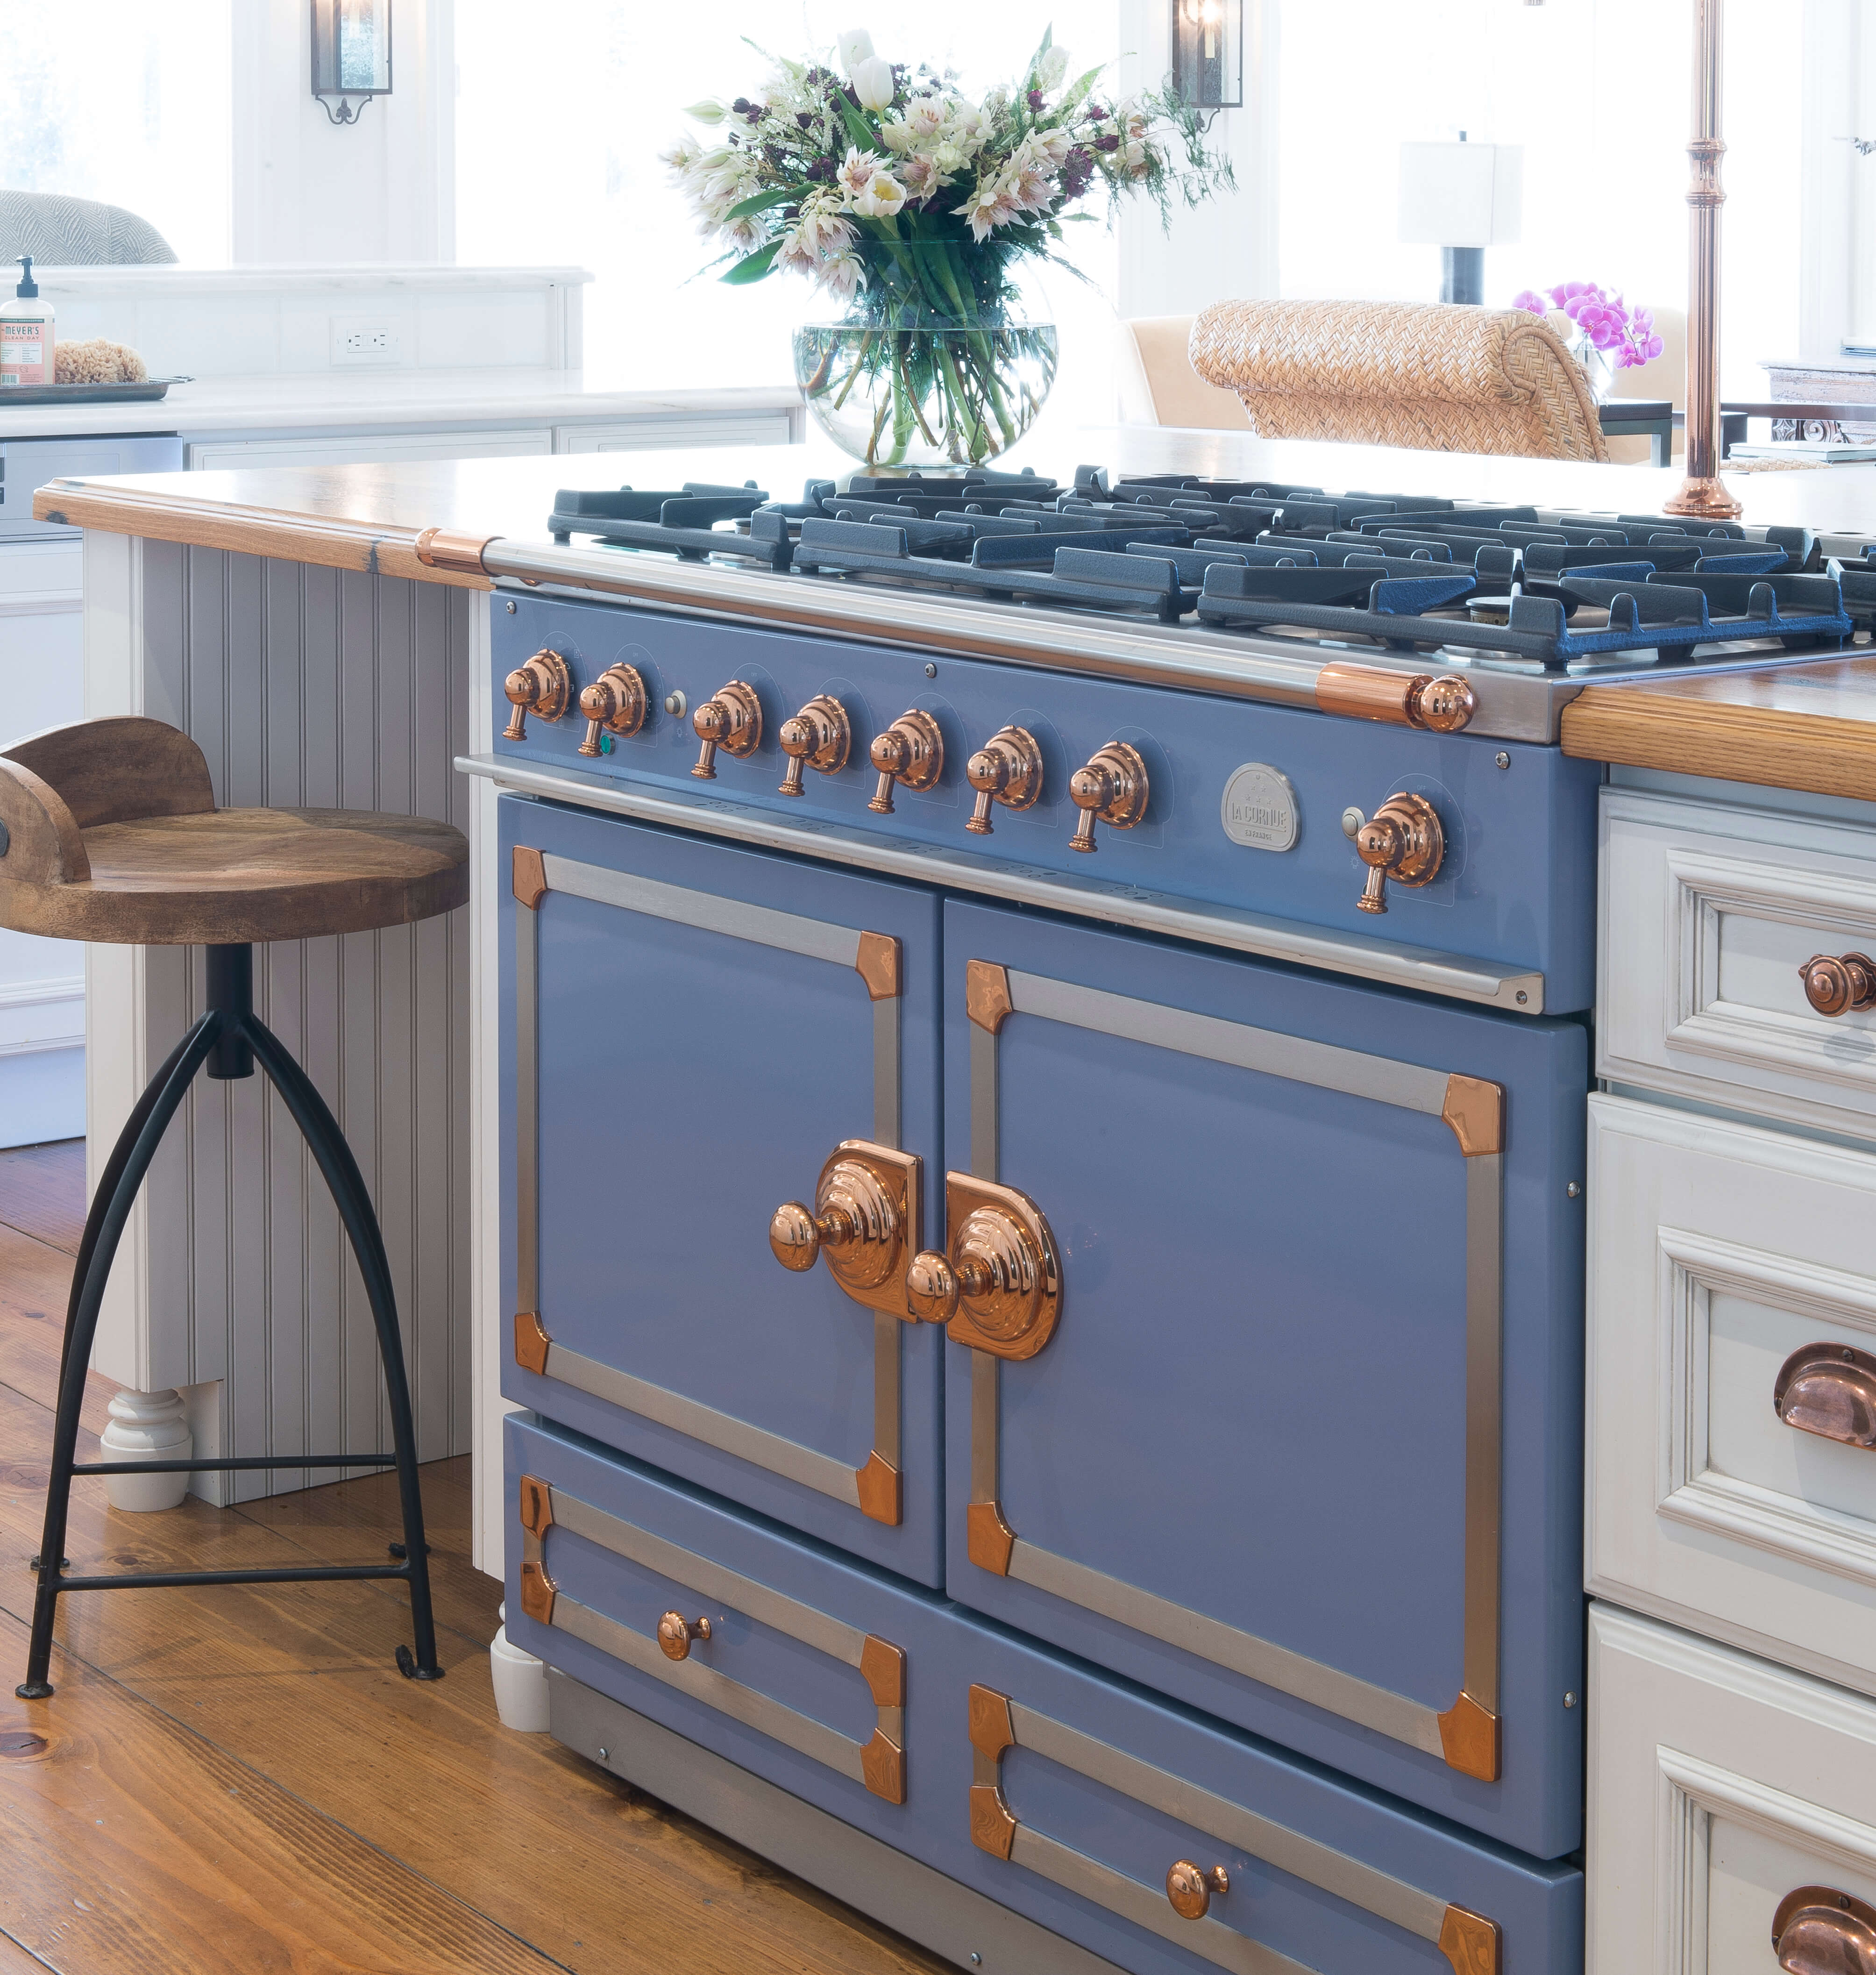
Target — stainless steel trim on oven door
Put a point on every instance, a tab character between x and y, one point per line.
879	1764
997	1723
1466	1735
536	875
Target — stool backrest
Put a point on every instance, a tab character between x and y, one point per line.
118	770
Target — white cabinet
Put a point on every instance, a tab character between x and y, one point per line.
1718	1251
776	427
1719	1786
1707	914
365	449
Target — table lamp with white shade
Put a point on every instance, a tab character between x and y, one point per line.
1462	199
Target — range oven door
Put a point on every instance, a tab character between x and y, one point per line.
1265	1309
696	1036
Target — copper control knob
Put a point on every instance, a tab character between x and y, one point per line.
1190	1887
731	719
1401	840
819	736
1838	987
676	1633
542	684
911	751
1007	769
1111	789
1817	1930
615	702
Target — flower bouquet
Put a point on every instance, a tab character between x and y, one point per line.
916	207
1605	336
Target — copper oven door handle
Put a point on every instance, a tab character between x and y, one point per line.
997	1285
1817	1930
1830	1390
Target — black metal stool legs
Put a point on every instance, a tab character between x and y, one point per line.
227	1039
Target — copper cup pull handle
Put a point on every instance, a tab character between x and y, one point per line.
1839	985
1818	1930
1192	1888
1829	1390
676	1633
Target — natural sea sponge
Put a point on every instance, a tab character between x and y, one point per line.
99	361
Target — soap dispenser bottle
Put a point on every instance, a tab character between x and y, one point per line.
26	335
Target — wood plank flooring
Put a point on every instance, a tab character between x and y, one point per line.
240	1780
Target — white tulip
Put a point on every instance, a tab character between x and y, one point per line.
708	111
855	46
1051	69
873	83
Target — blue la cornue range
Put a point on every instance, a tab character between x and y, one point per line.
1070	1365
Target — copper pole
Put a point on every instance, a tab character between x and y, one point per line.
1703	492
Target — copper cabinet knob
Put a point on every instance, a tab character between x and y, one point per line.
731	719
1111	789
819	736
676	1633
1007	769
540	684
1190	1887
1839	986
1830	1390
1817	1930
911	751
1401	840
615	703
856	1221
999	1287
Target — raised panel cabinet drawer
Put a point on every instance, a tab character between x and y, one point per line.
1723	1256
1707	914
1726	1795
1065	1796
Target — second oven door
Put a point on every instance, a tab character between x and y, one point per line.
1298	1441
696	1036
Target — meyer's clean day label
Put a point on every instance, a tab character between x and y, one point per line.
22	354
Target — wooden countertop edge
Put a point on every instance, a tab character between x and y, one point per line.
1773	746
332	544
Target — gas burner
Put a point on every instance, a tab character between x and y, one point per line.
1488	584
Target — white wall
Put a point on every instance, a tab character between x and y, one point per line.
383	189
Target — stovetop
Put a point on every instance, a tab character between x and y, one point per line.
1501	589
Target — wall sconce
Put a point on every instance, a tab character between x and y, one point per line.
351	55
1207	54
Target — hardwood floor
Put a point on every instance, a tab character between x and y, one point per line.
239	1780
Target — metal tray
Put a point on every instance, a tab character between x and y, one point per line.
151	389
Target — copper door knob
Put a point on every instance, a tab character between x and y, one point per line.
1007	769
931	1288
1830	1390
1111	789
541	684
1401	840
911	751
1839	986
676	1633
1190	1888
1000	1286
731	719
855	1221
1817	1930
614	703
819	737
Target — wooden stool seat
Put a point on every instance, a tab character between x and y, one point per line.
113	836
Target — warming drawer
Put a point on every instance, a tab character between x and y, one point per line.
1079	1801
1299	1440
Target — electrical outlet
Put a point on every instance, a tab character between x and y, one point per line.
360	338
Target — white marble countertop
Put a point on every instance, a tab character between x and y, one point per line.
336	400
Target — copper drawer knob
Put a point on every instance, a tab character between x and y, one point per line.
1830	1390
1817	1930
1111	789
1190	1888
854	1218
540	684
819	736
911	752
731	719
1401	840
1007	769
1839	986
614	704
676	1633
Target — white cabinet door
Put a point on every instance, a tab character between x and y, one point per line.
1707	914
1717	1252
1719	1785
365	449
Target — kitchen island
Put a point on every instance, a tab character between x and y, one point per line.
1484	979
